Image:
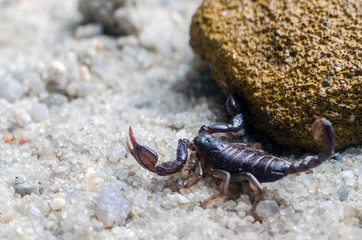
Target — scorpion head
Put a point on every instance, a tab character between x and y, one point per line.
206	143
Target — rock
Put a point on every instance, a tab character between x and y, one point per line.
112	207
289	63
27	187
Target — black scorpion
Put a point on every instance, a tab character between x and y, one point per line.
230	161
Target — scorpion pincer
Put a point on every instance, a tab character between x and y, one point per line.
230	161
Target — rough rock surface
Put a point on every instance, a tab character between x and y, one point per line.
290	63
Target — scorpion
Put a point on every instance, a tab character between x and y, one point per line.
230	161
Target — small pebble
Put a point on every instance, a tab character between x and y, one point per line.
27	188
8	137
112	207
89	30
84	73
57	67
89	184
349	162
130	40
283	218
343	193
348	177
267	208
57	204
10	89
288	213
84	89
40	112
116	151
178	198
58	77
23	140
184	174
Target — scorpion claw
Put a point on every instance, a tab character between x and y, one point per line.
145	156
148	158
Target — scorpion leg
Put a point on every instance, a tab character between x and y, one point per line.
320	125
236	124
232	106
234	110
196	177
224	186
255	185
148	158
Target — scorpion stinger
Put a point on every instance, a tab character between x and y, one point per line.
320	125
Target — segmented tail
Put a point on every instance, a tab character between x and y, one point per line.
318	126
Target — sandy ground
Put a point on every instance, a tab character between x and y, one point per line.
67	97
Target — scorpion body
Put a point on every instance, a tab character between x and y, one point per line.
230	161
235	159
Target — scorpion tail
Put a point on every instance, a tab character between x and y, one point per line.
320	125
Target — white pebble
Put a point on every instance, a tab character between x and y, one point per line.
84	73
178	198
89	184
58	75
116	151
89	30
40	112
57	204
112	207
57	67
10	89
289	213
267	208
22	117
348	177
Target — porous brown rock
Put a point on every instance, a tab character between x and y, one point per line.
290	62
